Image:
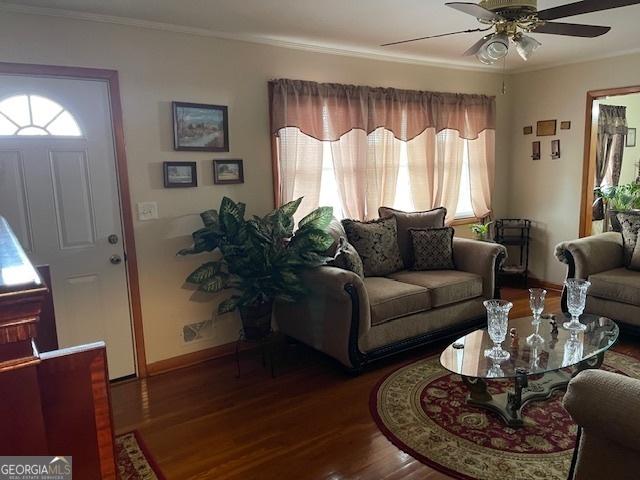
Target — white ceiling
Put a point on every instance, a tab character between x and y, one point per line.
350	26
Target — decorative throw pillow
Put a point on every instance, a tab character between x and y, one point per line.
377	244
432	248
347	258
630	223
406	220
635	259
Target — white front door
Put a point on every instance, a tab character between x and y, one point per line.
59	192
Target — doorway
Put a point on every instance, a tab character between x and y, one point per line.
612	155
61	162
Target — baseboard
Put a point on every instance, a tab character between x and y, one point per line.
194	358
536	283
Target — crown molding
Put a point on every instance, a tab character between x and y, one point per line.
594	58
263	40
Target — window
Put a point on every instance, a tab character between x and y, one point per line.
33	115
403	200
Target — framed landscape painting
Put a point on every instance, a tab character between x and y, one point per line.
226	172
200	128
180	174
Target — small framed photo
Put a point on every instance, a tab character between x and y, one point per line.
565	125
546	128
527	130
555	149
535	150
227	172
198	127
180	174
631	137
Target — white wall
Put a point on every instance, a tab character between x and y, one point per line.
548	191
157	67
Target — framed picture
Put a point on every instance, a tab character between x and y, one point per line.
546	128
565	125
535	150
200	128
527	130
180	174
555	149
631	137
226	172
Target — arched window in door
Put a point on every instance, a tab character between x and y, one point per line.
33	115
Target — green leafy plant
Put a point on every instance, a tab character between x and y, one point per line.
481	230
621	198
263	257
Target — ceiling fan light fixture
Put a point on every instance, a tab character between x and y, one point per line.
495	48
526	46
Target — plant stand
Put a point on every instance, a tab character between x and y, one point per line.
267	346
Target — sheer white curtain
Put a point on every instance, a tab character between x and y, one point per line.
435	170
300	169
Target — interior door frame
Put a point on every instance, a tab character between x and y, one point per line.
589	165
110	77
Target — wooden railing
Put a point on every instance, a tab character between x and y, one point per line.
56	403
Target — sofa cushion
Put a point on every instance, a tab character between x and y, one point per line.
620	285
406	220
377	244
389	299
445	286
347	258
336	230
432	248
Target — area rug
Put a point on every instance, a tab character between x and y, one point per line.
421	409
134	460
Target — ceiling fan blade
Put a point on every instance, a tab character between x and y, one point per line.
475	48
585	6
475	10
571	29
436	36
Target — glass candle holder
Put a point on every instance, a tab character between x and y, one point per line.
536	302
497	326
576	301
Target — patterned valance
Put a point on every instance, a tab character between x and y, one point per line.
327	111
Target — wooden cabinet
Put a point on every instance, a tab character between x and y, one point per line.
55	403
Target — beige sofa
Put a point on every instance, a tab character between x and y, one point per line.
615	290
358	320
609	425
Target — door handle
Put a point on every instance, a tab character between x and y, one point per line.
115	259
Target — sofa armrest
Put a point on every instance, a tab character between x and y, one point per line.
590	255
331	317
481	258
606	405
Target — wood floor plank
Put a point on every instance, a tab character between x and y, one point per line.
311	422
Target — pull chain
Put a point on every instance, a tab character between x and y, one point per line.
504	75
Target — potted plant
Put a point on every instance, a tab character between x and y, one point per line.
621	198
481	230
261	258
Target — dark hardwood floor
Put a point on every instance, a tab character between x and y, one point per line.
311	422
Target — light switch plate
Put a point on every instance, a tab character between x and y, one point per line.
147	211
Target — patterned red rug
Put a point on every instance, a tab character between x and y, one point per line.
421	408
134	460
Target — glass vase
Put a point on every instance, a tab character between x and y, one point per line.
576	301
497	326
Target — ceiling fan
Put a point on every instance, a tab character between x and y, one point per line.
512	19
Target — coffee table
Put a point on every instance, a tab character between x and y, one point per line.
562	355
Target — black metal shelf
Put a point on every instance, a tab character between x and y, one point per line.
515	232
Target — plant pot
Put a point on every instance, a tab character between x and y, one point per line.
256	320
